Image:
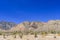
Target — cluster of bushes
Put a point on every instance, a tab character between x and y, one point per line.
21	33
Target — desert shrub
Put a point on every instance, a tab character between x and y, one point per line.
35	34
58	33
53	32
21	35
44	33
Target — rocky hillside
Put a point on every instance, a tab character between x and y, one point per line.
52	25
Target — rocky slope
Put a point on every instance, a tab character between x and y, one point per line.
52	25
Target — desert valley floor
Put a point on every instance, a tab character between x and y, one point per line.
31	37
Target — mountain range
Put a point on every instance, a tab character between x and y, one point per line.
51	25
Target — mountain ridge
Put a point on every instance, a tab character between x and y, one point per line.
51	25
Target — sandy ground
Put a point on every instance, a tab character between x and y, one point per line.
30	37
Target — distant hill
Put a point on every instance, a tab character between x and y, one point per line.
6	25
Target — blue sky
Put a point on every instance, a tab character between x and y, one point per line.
29	10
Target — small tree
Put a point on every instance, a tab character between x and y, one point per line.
4	35
35	34
0	33
21	34
14	33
